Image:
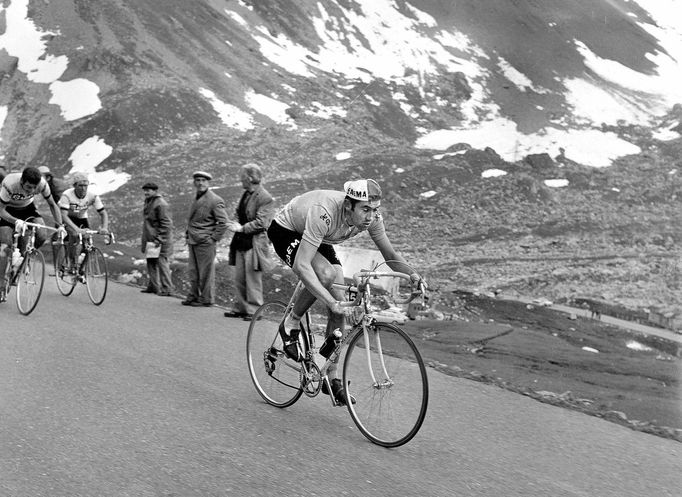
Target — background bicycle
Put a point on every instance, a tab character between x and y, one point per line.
383	372
90	268
25	268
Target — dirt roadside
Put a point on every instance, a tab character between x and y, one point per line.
567	360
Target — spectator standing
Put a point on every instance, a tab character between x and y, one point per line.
206	225
157	233
249	246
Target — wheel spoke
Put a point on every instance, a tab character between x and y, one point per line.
276	378
65	272
30	281
96	277
385	374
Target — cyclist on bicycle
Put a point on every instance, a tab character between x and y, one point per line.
303	234
16	206
74	204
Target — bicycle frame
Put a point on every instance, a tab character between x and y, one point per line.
384	380
32	228
362	292
28	276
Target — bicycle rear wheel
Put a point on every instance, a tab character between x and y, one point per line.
276	378
64	272
385	374
96	277
30	279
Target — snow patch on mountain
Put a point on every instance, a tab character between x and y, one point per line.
85	159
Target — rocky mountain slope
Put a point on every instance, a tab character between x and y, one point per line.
571	188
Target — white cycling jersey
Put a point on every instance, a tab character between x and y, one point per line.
13	195
78	207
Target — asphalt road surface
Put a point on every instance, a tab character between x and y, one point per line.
144	397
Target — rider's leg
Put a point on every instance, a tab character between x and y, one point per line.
6	234
41	235
71	242
327	274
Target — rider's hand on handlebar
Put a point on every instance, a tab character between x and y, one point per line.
353	313
61	231
418	281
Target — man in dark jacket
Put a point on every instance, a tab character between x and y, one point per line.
157	234
249	244
206	225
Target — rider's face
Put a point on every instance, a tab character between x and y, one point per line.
362	215
29	188
81	188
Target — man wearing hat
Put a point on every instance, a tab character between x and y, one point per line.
206	225
304	233
157	233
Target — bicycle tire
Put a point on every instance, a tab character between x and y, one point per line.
9	276
276	378
64	273
96	276
389	409
30	279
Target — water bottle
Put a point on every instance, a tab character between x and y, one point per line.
16	257
81	256
330	343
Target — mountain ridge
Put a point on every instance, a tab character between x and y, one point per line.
291	85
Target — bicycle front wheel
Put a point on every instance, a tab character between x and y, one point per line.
64	272
96	277
385	375
30	280
276	378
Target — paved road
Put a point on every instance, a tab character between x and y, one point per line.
144	397
621	323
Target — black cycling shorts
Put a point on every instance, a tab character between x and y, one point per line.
23	213
286	243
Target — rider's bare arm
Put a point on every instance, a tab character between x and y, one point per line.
104	218
54	208
68	222
394	260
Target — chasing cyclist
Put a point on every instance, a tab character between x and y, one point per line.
16	206
303	234
74	204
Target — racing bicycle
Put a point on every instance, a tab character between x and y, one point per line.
384	375
90	269
27	272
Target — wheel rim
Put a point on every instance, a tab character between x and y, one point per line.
96	278
388	411
30	282
279	384
64	273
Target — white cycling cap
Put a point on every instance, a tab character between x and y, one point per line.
366	190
